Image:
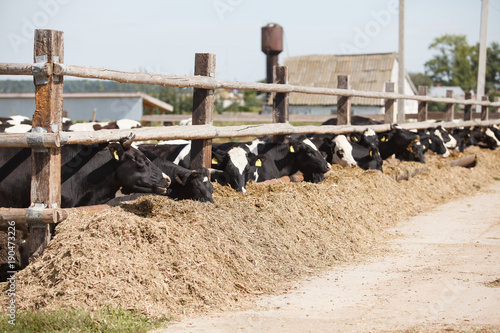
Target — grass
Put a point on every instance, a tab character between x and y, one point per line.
104	320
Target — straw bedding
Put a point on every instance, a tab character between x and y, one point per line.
175	258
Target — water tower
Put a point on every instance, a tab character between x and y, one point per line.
272	46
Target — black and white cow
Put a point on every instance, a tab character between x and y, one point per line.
449	140
231	159
90	174
186	183
432	140
355	120
336	149
463	137
368	138
405	144
284	159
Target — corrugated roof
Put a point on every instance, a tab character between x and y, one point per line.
368	72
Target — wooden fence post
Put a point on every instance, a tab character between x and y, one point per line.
422	106
280	100
203	111
495	99
484	109
45	162
389	104
449	109
468	108
343	103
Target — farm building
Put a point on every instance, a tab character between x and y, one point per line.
81	105
440	91
368	72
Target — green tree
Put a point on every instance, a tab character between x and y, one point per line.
456	63
420	79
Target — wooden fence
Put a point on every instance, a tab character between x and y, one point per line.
46	138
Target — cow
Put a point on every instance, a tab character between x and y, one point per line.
367	158
97	126
284	159
405	144
496	131
90	174
432	140
230	159
119	124
463	137
485	137
449	141
368	138
355	120
186	183
21	124
336	149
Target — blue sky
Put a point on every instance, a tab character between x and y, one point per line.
163	36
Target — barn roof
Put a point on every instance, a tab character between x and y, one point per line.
367	72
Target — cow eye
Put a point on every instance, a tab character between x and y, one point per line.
340	153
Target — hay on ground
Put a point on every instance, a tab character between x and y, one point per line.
163	257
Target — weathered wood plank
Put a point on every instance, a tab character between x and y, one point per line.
46	165
422	106
203	111
343	102
449	109
280	100
389	104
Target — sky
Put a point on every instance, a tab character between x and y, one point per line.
163	36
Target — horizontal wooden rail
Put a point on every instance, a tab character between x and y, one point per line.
205	82
47	215
210	132
15	69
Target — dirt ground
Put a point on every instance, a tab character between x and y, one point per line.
441	274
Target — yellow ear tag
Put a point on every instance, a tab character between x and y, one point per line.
258	163
214	161
382	139
355	138
424	146
292	150
115	154
371	153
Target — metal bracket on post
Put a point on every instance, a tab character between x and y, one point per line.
38	70
34	215
35	140
41	70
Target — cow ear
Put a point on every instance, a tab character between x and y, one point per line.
181	179
328	141
217	157
258	160
116	151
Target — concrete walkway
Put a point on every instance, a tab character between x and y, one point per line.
434	279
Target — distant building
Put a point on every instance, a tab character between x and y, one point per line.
440	91
229	97
81	105
368	72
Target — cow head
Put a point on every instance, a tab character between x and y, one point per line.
405	144
368	138
235	166
308	158
134	172
340	151
196	185
449	141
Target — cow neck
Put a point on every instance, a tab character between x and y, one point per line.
285	159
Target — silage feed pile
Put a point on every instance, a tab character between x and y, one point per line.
174	258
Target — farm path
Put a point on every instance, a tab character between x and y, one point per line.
433	279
